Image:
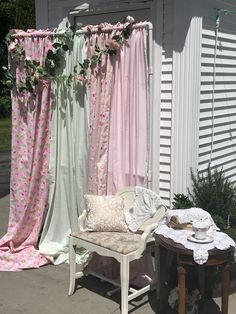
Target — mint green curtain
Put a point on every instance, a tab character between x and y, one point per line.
68	157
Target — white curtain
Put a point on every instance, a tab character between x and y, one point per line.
68	158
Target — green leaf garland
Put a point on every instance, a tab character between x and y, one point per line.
35	72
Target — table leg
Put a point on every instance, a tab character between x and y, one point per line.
157	270
225	288
163	283
182	296
201	279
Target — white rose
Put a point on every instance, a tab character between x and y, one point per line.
130	19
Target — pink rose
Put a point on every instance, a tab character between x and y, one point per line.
79	78
12	46
36	76
113	44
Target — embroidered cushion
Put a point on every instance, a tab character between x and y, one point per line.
105	213
123	243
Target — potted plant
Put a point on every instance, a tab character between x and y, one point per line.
193	300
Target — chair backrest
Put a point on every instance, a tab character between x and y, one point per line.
128	194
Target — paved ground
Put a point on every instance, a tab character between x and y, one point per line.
44	291
4	173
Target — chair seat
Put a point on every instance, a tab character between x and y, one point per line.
123	243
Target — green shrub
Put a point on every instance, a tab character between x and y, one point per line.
7	17
5	106
5	135
13	14
214	193
181	201
7	21
25	14
219	221
231	232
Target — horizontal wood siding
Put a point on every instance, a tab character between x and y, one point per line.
223	115
54	13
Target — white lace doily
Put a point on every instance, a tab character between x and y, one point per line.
145	205
188	215
200	251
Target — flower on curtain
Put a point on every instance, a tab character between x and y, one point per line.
29	165
99	92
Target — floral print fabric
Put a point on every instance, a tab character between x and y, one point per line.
123	243
29	167
118	98
99	92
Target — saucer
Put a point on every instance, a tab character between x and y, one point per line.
208	239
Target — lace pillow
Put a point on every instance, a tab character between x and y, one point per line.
105	213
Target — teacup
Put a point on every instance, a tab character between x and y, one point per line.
200	228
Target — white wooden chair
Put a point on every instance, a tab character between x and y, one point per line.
127	247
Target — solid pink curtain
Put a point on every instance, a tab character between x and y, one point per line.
99	92
127	155
128	151
29	165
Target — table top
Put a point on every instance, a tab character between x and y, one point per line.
180	249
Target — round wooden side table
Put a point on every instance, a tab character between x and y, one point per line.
185	257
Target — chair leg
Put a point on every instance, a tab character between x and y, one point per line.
124	278
72	262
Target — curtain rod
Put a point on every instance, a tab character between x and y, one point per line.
82	31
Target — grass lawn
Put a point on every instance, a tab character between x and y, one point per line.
5	135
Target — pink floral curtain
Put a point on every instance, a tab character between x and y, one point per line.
127	155
118	98
29	165
99	92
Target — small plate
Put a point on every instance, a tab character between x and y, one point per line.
208	239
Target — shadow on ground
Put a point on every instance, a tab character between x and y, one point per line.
101	288
138	305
